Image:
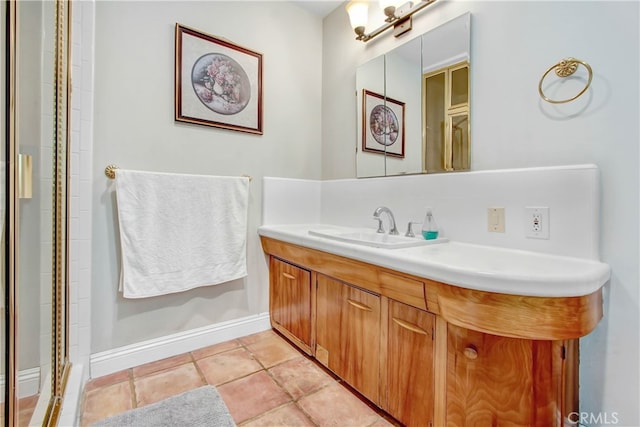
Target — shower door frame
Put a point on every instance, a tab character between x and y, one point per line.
11	249
61	365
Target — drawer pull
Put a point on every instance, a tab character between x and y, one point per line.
359	305
410	326
289	276
471	352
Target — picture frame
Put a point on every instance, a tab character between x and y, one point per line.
382	124
217	83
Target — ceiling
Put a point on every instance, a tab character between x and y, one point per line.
319	7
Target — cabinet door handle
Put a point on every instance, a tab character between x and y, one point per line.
471	352
289	276
410	326
359	305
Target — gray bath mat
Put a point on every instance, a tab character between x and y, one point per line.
202	407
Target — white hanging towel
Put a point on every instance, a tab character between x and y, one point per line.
179	232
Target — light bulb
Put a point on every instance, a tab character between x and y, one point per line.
358	15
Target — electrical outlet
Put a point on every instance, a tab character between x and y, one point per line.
536	222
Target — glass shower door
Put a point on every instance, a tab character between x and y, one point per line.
34	136
33	209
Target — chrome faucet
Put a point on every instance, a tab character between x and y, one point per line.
392	221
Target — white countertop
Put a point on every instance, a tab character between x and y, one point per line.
485	268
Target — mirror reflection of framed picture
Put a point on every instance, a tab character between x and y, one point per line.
218	83
382	124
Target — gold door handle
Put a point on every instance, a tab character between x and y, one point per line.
289	276
359	305
410	326
25	176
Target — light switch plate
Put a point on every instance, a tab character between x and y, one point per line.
495	220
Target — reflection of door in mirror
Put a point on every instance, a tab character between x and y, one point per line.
460	142
446	119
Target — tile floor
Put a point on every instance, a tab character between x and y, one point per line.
263	379
26	406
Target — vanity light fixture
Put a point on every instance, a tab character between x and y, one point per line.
398	16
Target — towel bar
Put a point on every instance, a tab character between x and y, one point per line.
110	172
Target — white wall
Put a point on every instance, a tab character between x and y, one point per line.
513	44
134	128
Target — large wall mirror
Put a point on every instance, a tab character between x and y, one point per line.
413	105
35	154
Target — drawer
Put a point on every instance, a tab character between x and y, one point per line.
403	289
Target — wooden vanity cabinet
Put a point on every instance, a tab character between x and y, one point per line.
290	302
429	353
348	334
409	367
494	380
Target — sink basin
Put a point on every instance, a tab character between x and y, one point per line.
372	238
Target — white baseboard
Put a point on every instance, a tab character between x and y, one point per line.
110	361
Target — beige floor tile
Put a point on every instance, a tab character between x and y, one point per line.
334	405
251	396
253	338
215	349
272	351
26	406
116	377
106	401
300	377
160	385
161	365
227	366
285	416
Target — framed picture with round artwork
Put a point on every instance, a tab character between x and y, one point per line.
217	83
382	124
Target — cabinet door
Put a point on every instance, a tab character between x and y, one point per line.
348	334
499	381
290	302
410	384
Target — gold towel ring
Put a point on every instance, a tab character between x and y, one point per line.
565	68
